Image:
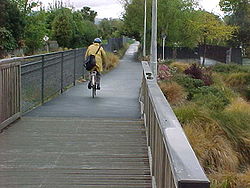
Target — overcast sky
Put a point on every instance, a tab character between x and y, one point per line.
114	9
104	8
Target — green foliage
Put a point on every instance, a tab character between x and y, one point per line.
12	20
63	27
190	113
35	30
238	14
230	68
88	14
7	41
236	126
238	80
25	6
110	28
188	82
211	101
203	92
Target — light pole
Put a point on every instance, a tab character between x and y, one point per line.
153	58
145	29
163	46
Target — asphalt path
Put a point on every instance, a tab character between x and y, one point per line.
118	97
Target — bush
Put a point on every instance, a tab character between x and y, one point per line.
174	93
207	94
181	67
208	140
238	80
165	72
220	84
188	82
230	68
237	128
201	73
111	62
210	101
230	179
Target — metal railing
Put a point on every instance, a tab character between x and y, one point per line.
44	76
173	161
10	95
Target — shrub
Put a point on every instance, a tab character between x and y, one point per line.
201	73
164	72
238	80
212	148
174	93
219	84
210	101
203	92
111	62
208	140
181	67
194	71
246	93
230	179
188	82
230	68
237	128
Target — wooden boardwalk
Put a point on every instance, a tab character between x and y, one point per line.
74	152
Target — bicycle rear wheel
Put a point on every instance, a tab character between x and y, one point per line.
94	91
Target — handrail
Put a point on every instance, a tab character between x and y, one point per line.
10	93
174	164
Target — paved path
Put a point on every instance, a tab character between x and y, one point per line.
118	97
75	141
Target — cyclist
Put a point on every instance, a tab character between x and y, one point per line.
100	57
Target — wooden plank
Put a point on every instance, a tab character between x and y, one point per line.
10	120
49	152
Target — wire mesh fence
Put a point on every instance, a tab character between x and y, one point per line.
46	75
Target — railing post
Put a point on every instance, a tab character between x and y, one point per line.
74	81
62	73
42	86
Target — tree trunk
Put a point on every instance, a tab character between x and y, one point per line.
204	53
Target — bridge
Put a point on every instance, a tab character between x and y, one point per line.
128	136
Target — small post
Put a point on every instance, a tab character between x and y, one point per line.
42	86
163	46
62	73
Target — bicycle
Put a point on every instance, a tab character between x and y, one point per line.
93	83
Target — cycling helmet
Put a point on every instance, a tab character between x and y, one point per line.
98	40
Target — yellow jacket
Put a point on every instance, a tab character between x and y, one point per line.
100	56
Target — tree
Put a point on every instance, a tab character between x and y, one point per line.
35	30
25	6
109	28
84	31
208	28
63	27
238	14
11	25
7	41
88	14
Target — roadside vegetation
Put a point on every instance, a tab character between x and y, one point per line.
213	106
25	23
